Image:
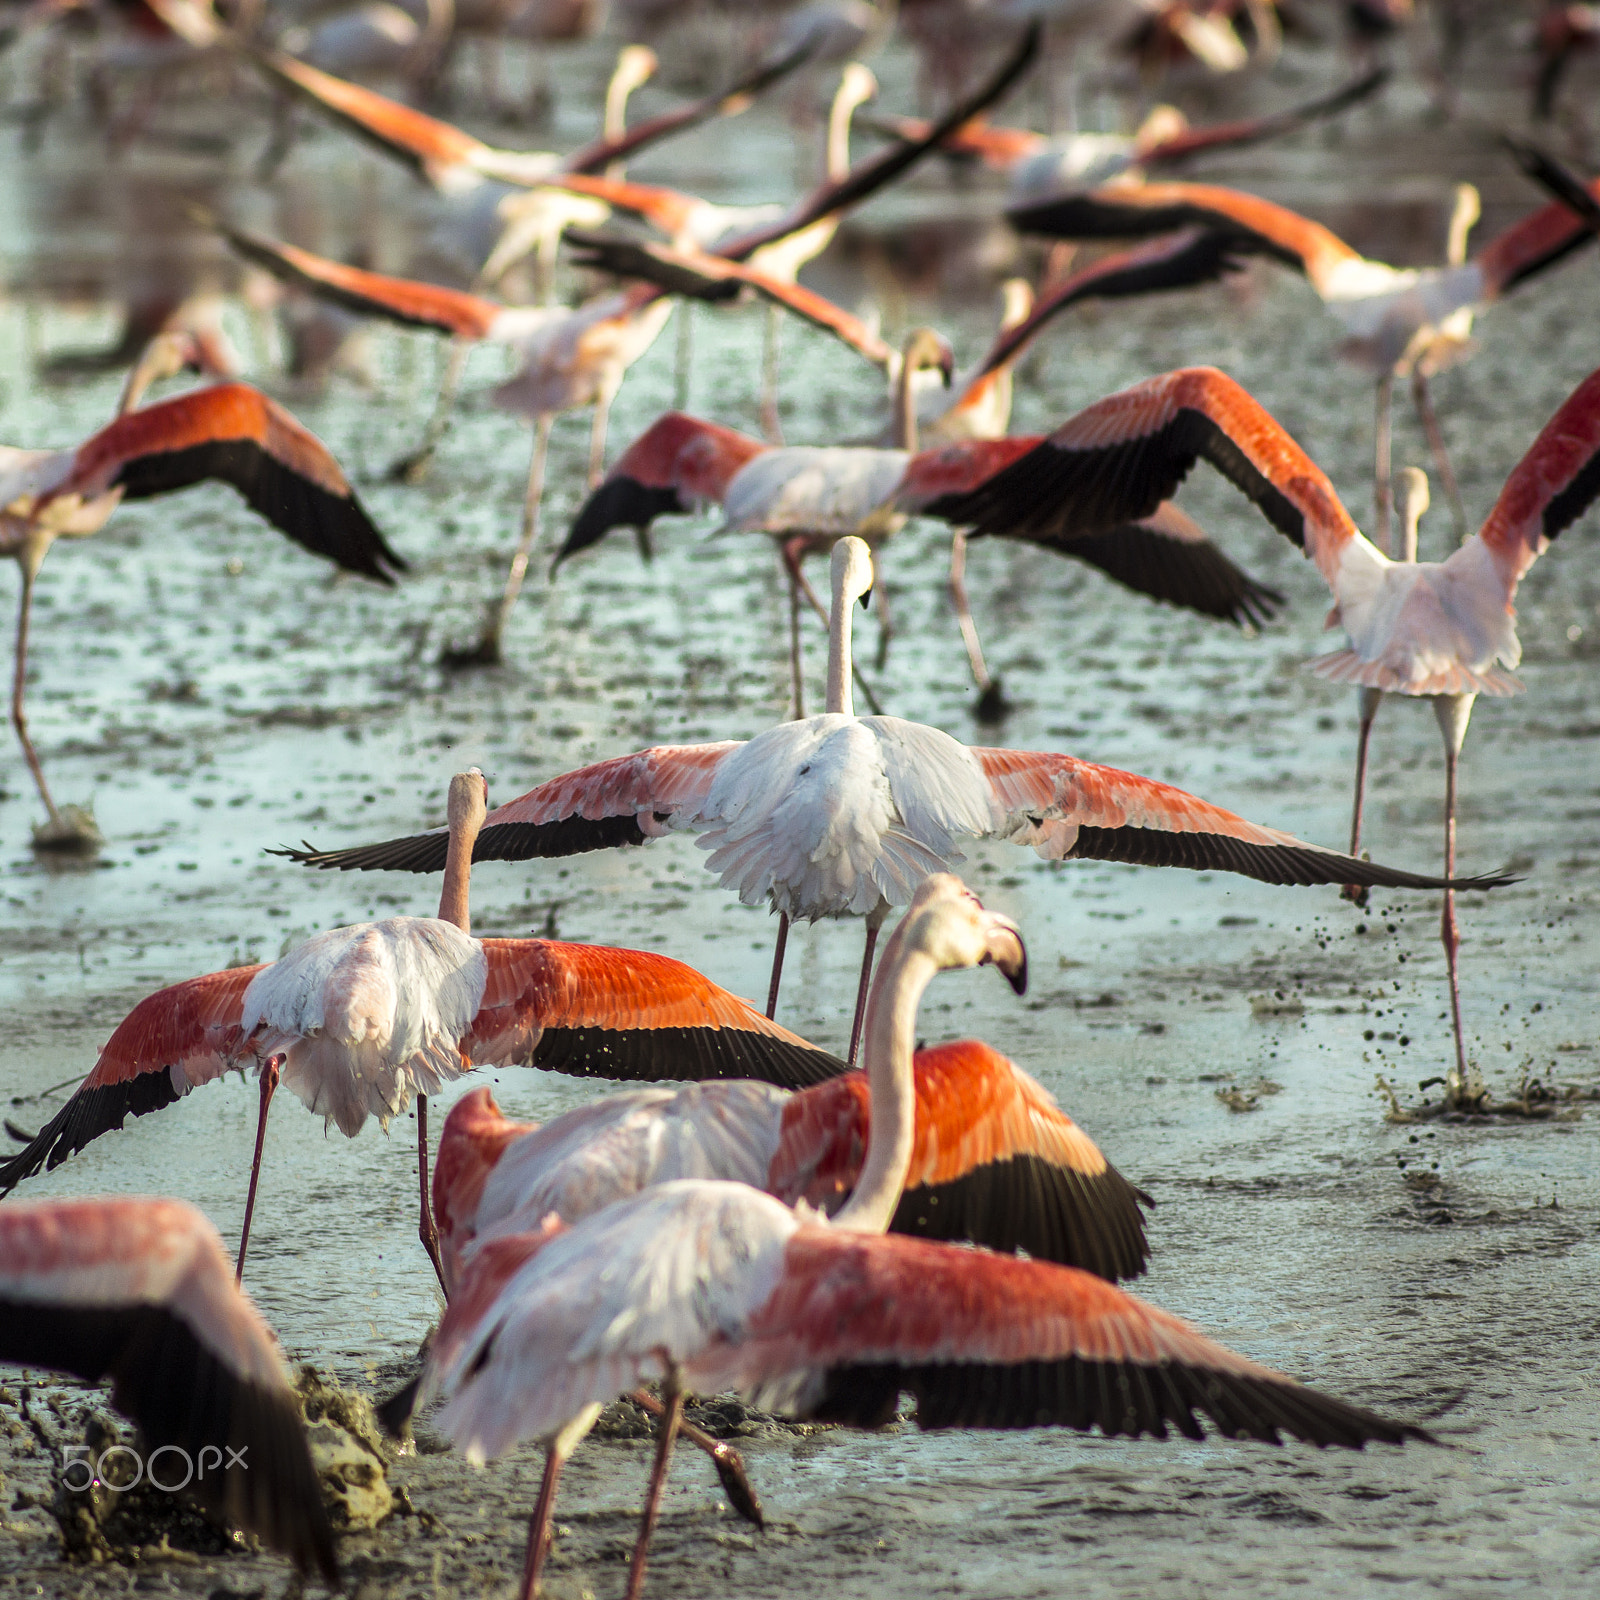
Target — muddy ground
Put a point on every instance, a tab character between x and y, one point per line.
213	692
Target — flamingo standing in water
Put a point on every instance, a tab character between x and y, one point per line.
710	1286
1431	629
230	433
1399	322
839	815
139	1291
357	1020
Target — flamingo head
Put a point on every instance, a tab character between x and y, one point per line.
949	923
850	571
468	804
927	350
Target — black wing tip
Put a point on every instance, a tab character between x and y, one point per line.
683	1055
394	1414
421	852
617	503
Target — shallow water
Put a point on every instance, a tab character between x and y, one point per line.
213	692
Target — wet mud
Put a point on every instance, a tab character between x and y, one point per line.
212	692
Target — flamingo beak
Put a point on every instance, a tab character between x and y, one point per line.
1006	951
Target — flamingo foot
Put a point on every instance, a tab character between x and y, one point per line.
411	469
71	832
725	1458
485	653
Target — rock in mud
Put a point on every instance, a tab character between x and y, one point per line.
349	1449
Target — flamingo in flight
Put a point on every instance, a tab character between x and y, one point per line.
139	1291
357	1020
1398	322
682	463
230	433
1039	165
1432	629
710	1285
839	815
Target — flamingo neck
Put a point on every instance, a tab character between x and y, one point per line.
1408	540
454	905
840	700
905	407
903	976
838	153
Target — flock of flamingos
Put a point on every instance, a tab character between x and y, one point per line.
790	1224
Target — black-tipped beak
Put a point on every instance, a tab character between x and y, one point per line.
1007	951
866	599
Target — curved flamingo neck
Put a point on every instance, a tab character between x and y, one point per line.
840	699
903	977
905	406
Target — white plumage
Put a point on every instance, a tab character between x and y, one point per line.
368	1015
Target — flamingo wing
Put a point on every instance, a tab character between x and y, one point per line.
1165	555
600	1013
139	1291
991	1341
995	1161
1117	460
1543	237
408	302
1069	809
1252	225
171	1041
1550	488
436	151
236	435
676	465
623	801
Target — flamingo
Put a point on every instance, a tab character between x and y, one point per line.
357	1020
713	1285
1432	629
229	432
839	815
996	1161
1565	33
1038	165
1398	322
139	1291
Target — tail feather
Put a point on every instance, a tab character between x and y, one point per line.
1345	666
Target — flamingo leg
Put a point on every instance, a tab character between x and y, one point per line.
777	964
880	598
658	1483
1382	490
990	700
1441	456
426	1231
1453	710
494	630
874	922
413	468
597	437
1371	699
796	674
728	1462
684	358
556	1457
270	1071
19	684
771	427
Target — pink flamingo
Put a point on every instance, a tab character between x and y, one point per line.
839	815
1398	322
139	1291
1432	629
711	1285
357	1020
230	433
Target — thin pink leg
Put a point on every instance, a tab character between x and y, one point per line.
19	684
777	964
1371	699
1382	488
792	551
658	1483
426	1231
539	1523
1453	712
269	1081
873	924
728	1462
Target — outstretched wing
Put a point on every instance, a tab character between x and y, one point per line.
1069	809
619	802
171	1041
139	1291
236	435
601	1013
1117	460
